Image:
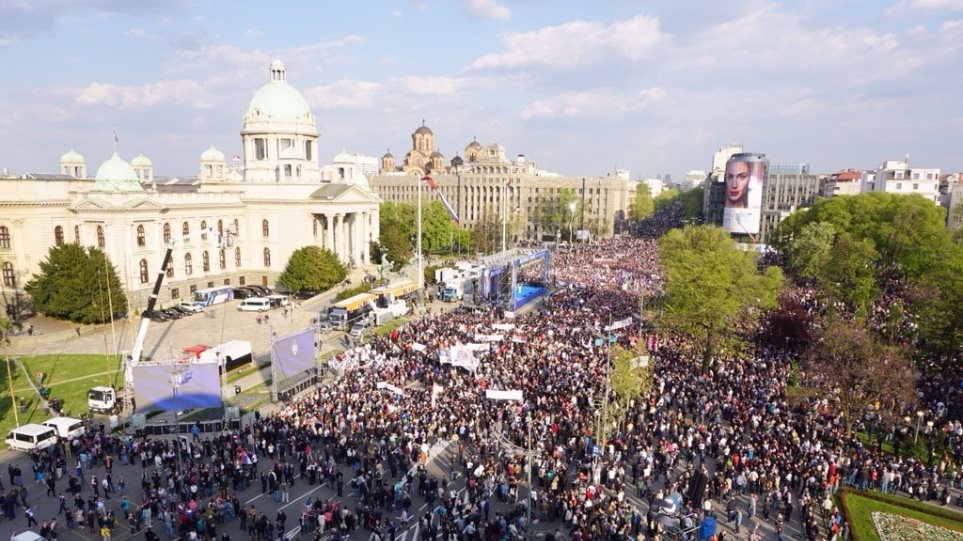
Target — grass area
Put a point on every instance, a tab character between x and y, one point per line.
860	506
390	326
350	292
797	391
918	450
68	376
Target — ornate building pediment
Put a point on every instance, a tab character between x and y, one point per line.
143	204
90	205
345	193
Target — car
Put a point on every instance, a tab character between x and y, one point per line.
173	313
304	294
182	310
260	290
243	293
325	327
192	306
358	329
157	316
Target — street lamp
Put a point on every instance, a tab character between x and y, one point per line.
919	419
571	211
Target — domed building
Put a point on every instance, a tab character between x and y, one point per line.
423	156
234	224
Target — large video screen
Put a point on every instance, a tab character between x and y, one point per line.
294	354
745	174
198	385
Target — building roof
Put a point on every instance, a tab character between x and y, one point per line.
141	161
330	191
71	156
848	175
47	176
115	174
424	130
212	155
279	101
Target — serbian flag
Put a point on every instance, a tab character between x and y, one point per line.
509	185
434	186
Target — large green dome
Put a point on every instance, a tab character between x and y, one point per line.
115	174
277	101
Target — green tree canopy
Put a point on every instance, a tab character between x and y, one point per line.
809	251
77	284
396	245
713	289
849	273
312	268
437	227
557	215
665	198
643	206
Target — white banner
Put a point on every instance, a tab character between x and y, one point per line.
385	385
620	324
459	355
503	326
519	339
493	394
489	337
478	347
418	347
509	315
435	391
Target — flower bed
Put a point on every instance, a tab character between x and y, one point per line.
897	528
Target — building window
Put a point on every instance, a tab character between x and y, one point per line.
193	290
141	236
185	230
76	234
210	284
170	270
260	149
4	237
203	229
267	257
167	233
59	236
144	275
237	257
287	170
916	186
188	264
205	261
222	258
265	228
220	228
101	241
241	280
227	281
307	150
9	278
175	293
899	185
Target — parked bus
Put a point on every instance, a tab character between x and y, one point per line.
343	314
214	295
398	291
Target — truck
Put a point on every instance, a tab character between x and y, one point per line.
453	291
343	314
102	400
401	290
394	310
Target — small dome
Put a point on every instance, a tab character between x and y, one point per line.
496	146
343	157
72	157
278	101
212	155
436	154
141	161
115	174
387	155
474	144
290	153
277	65
424	130
457	161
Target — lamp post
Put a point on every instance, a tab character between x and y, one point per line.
919	419
571	219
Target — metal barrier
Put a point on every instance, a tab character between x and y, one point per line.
288	389
206	427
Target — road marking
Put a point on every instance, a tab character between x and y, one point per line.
285	506
254	498
292	532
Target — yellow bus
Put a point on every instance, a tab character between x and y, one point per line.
401	290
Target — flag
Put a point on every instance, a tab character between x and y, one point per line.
116	139
509	185
434	186
237	157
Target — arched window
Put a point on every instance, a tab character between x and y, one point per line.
237	257
5	236
167	233
59	236
188	265
265	228
144	276
101	240
203	229
186	229
222	259
9	278
170	269
76	234
205	261
267	257
220	227
141	236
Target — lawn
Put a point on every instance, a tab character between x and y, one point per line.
68	376
390	326
860	508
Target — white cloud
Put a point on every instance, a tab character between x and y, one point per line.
420	5
179	92
951	26
431	85
592	104
140	33
343	94
488	9
576	43
904	6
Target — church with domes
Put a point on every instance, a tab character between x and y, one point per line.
235	223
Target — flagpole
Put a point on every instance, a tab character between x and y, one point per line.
421	271
504	217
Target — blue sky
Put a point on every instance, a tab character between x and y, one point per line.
580	86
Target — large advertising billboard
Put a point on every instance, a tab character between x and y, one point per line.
744	178
294	354
177	386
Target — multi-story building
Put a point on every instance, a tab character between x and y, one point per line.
895	176
845	182
485	183
230	225
786	188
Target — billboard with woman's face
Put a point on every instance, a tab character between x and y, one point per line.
743	198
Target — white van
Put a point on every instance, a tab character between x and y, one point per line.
67	427
257	304
278	301
30	437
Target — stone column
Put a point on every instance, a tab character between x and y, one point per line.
356	225
339	235
364	238
328	226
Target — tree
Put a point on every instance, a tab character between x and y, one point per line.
692	202
809	251
665	198
401	215
629	380
712	287
312	268
939	306
437	227
848	273
396	245
77	284
486	233
557	215
859	372
642	206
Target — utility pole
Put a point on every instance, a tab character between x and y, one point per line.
421	270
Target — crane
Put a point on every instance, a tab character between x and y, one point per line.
105	398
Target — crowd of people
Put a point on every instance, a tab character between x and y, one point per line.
395	403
